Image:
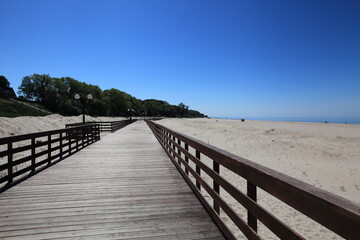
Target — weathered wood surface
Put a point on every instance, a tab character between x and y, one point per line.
122	187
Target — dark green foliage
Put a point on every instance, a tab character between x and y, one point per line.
4	83
57	95
37	87
5	90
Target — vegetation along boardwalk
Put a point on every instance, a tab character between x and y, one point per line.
122	187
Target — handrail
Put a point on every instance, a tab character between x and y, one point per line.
36	151
333	212
106	126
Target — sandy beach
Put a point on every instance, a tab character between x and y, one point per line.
326	156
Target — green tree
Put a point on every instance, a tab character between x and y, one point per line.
4	83
182	109
35	87
57	94
118	101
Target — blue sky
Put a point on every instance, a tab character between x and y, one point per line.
224	58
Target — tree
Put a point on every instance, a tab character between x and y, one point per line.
118	101
5	89
35	87
4	83
57	94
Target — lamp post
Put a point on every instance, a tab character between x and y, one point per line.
130	112
144	114
83	101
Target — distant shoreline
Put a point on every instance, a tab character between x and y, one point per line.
349	120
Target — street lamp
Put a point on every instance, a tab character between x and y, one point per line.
83	101
130	112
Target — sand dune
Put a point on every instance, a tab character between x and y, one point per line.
23	125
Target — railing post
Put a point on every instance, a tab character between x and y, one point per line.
216	168
167	141
186	158
83	134
61	146
179	152
77	139
251	193
164	137
92	134
98	130
173	145
90	131
198	170
10	160
95	133
69	139
33	154
49	148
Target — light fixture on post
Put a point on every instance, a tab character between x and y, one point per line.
83	101
130	112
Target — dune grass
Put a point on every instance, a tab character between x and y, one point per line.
13	109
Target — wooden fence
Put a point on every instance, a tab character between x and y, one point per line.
110	126
22	156
335	213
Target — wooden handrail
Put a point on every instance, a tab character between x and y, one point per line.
335	213
50	146
106	126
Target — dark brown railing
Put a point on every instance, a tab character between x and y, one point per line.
333	212
25	155
110	126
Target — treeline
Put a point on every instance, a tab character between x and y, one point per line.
57	95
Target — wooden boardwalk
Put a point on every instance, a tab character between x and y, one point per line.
122	187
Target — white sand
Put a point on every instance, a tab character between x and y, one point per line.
324	155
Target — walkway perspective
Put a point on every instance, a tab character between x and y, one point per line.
122	187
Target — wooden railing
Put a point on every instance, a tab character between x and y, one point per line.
120	124
110	126
22	156
333	212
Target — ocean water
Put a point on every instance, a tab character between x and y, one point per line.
349	120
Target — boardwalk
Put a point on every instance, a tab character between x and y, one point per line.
122	187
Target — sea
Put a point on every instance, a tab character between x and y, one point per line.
349	120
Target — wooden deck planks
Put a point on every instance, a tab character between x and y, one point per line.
122	187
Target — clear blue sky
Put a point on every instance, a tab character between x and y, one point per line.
224	58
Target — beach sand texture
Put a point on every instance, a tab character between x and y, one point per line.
326	156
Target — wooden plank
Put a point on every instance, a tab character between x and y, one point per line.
123	186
